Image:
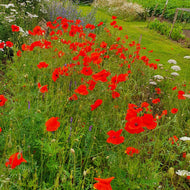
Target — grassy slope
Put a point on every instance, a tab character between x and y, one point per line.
164	49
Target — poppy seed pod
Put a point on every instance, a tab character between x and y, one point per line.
171	172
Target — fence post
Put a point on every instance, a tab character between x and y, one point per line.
175	17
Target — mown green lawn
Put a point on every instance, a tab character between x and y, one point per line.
163	48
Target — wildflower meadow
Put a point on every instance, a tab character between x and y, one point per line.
85	106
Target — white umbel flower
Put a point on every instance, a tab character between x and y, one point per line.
153	83
175	74
7	6
183	173
186	95
176	68
172	61
185	138
187	57
159	77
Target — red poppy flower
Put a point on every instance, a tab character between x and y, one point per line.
55	74
42	65
173	139
101	76
174	110
134	125
96	104
9	44
103	45
158	90
144	104
37	31
43	89
73	97
180	95
15	28
52	124
184	154
15	160
0	130
188	177
114	137
131	113
91	35
157	59
115	94
91	84
86	71
114	17
155	101
2	100
174	88
149	121
101	23
131	150
103	184
113	23
151	51
2	45
19	53
65	25
81	90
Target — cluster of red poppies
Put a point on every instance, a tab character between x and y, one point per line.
138	119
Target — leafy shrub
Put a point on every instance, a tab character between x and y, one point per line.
68	9
170	10
25	14
164	29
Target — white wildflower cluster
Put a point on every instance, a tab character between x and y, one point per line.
185	138
120	8
153	83
184	173
175	67
187	57
7	6
31	15
158	77
175	74
172	61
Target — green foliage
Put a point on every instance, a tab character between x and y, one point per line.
164	28
150	5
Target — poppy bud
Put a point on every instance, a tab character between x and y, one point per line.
10	144
84	173
72	151
171	172
26	76
188	157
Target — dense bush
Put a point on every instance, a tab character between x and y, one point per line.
150	5
25	14
164	28
69	10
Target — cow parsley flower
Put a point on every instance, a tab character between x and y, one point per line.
176	68
153	83
187	57
172	61
183	173
175	74
185	138
159	77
